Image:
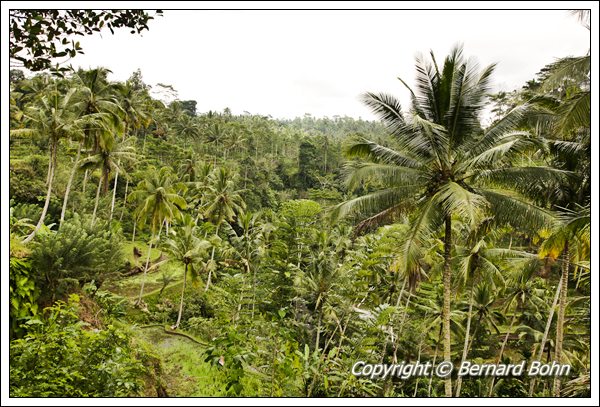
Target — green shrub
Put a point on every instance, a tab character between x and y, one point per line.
77	254
61	357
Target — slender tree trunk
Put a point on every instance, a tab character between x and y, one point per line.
253	290
318	331
418	361
466	345
212	258
545	337
182	295
112	204
312	384
50	163
435	353
447	275
560	317
139	301
133	234
512	322
68	190
85	177
401	327
124	199
48	195
97	200
400	294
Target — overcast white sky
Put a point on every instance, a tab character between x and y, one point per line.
288	63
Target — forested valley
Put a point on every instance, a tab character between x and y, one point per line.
156	250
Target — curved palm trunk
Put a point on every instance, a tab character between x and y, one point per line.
112	204
51	168
124	199
435	353
85	177
133	233
139	301
182	294
446	307
212	258
97	200
512	322
466	345
68	190
560	317
401	327
545	337
418	361
401	293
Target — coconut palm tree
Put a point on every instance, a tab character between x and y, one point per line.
96	95
222	203
186	248
159	201
53	118
520	294
570	242
108	161
250	246
186	127
443	164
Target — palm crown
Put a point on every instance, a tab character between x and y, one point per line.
443	164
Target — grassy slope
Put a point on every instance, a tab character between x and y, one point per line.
186	374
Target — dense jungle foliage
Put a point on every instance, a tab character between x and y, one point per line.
160	251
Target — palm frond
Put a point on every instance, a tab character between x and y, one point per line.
374	202
423	226
512	209
496	131
574	113
526	180
386	107
567	69
377	153
502	149
455	199
388	175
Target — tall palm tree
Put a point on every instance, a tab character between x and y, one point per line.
186	248
250	246
96	95
159	200
222	203
570	242
108	161
186	127
520	294
133	104
442	163
53	118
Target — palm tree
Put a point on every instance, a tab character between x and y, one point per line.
216	134
222	203
186	127
159	199
133	104
98	96
186	248
250	247
571	241
52	118
108	161
443	163
520	294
